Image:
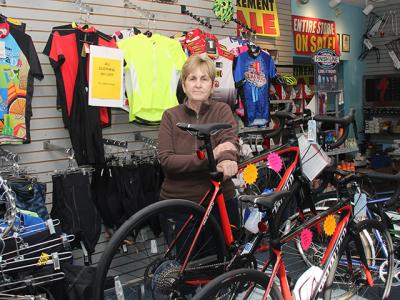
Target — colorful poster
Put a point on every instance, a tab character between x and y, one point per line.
106	77
312	34
260	15
326	70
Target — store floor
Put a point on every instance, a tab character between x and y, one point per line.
294	264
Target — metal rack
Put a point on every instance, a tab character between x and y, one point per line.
47	145
111	142
144	12
205	22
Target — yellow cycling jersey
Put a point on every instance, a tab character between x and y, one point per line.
152	70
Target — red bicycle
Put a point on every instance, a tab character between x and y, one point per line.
197	246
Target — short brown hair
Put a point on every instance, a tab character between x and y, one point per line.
196	61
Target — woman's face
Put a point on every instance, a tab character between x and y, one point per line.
198	85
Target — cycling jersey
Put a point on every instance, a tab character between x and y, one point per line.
151	74
235	45
118	36
19	64
252	75
66	48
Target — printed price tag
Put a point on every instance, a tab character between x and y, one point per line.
312	131
211	46
368	44
43	259
360	205
247	248
153	246
2	49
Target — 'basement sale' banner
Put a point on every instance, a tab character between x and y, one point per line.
260	15
311	34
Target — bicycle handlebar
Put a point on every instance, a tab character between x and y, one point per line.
345	122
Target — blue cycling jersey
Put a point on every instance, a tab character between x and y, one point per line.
255	72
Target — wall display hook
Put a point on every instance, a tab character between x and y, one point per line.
201	21
245	26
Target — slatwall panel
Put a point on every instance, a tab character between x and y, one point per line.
108	16
386	65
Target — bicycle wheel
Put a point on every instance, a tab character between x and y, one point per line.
301	256
347	278
157	239
238	284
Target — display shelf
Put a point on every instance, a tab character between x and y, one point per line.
254	129
341	151
280	101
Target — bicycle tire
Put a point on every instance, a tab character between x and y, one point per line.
139	218
244	276
354	282
314	253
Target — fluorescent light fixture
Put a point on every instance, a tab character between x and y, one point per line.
368	8
334	3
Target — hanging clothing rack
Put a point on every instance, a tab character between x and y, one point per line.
203	22
83	7
115	143
146	13
10	156
245	26
148	142
47	145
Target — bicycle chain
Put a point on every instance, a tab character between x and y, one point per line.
238	259
206	266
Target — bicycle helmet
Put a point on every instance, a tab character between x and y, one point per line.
223	10
289	79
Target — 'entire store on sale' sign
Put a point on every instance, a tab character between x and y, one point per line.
312	34
260	15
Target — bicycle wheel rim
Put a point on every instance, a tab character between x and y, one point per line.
151	252
238	284
345	282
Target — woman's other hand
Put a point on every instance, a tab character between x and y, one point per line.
228	167
227	146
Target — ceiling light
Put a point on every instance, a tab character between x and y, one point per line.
334	3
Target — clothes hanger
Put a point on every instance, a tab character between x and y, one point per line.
63	240
52	259
29	282
148	33
253	48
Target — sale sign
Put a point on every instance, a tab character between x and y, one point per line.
312	34
260	15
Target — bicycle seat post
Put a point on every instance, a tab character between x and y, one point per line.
212	165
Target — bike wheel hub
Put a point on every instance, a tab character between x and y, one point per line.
165	277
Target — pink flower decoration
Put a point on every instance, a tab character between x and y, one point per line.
274	162
306	239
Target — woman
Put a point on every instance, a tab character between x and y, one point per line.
187	177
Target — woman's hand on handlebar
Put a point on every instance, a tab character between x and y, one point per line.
227	146
228	167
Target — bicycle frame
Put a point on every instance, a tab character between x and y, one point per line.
328	258
218	197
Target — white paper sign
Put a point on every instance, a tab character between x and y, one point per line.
106	77
313	158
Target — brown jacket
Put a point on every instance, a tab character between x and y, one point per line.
187	177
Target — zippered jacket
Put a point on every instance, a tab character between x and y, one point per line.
186	176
